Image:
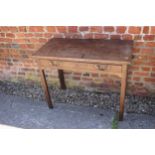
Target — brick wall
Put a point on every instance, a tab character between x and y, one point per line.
18	43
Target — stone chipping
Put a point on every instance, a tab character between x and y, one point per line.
133	104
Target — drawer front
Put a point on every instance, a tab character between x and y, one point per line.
44	63
82	67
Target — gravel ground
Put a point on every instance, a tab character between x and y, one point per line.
26	113
21	112
137	121
133	104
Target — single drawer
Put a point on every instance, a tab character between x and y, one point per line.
44	63
81	67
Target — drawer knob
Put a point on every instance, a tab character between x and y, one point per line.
54	63
102	67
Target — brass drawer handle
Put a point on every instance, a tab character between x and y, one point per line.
102	67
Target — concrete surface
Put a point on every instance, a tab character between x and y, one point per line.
27	113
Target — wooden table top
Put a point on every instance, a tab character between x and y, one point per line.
86	50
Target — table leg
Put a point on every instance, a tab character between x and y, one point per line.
61	79
123	90
45	88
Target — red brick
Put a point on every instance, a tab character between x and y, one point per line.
151	58
2	34
42	40
146	68
88	36
5	40
148	51
115	36
30	46
150	63
139	84
32	40
36	29
138	37
138	62
136	78
136	50
134	30
142	57
146	29
153	75
141	73
96	29
127	37
61	29
23	46
10	35
20	41
20	35
150	44
149	37
72	29
144	52
152	80
22	29
51	29
38	35
84	28
152	30
130	73
29	34
48	35
8	29
120	29
108	29
138	43
134	68
101	36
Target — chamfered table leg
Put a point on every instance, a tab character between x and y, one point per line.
45	87
123	90
61	79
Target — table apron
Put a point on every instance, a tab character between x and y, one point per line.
102	68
